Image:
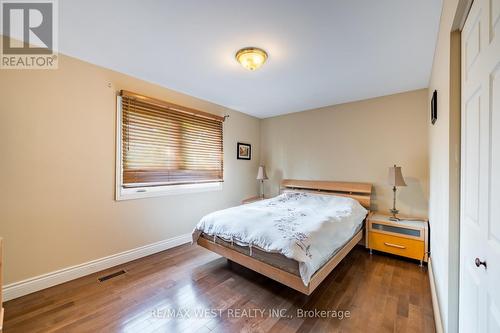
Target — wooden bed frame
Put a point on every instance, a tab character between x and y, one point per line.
357	191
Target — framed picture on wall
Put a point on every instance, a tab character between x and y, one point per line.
244	151
434	107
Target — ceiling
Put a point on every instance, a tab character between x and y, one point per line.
320	52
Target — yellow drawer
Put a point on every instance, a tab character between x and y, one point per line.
405	247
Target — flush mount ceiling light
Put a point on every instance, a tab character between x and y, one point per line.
251	57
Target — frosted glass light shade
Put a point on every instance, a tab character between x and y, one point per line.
251	58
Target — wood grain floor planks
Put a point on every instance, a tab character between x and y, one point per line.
382	294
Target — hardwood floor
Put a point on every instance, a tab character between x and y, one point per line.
166	292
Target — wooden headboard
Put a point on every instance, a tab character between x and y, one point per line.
358	191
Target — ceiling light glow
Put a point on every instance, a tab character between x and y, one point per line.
251	58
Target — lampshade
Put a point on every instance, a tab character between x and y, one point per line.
396	177
261	174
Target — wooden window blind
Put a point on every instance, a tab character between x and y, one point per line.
167	144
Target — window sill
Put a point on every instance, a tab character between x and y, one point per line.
159	191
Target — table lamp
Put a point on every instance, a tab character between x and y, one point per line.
395	179
261	175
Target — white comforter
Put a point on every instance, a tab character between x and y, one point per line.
307	227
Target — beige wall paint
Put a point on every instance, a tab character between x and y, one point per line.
57	170
57	132
444	167
354	142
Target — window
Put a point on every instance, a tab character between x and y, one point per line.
165	148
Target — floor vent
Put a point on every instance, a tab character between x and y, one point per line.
110	276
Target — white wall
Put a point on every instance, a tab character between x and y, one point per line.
443	157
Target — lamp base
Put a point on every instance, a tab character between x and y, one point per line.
394	212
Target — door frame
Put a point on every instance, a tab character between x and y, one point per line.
455	88
455	100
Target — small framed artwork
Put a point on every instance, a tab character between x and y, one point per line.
434	107
244	151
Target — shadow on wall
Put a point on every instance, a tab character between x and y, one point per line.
411	200
275	183
374	206
413	195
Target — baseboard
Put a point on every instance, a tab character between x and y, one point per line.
435	301
28	286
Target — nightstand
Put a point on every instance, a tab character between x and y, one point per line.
252	199
408	237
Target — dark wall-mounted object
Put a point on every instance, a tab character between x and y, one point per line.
434	107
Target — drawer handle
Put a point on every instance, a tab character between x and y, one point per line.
395	245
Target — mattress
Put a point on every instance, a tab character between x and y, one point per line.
272	258
295	231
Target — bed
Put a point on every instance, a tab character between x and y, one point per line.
296	238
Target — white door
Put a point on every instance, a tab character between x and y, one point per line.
480	170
